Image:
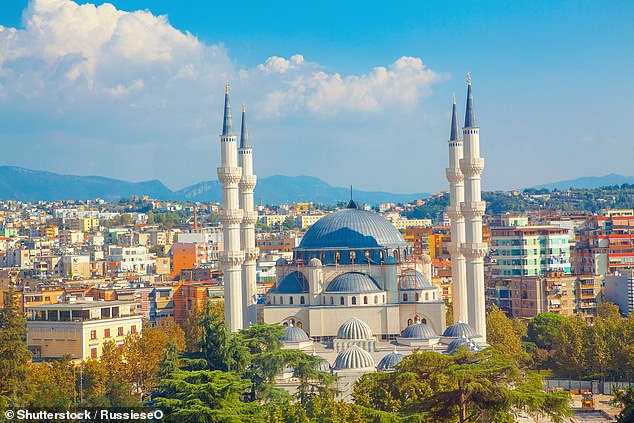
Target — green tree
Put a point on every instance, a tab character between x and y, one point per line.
222	349
15	357
501	333
626	398
570	352
544	328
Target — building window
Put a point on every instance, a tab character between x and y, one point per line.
106	333
133	329
417	296
93	352
405	298
281	300
426	296
332	301
365	299
409	322
290	300
341	301
354	300
302	300
423	321
376	299
299	324
120	331
93	334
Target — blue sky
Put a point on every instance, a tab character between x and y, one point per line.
351	92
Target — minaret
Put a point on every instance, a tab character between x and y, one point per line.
247	230
456	197
229	175
473	208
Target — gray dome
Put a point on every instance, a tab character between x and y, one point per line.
413	279
460	330
294	334
293	283
323	365
457	343
354	329
353	358
281	261
353	282
389	361
351	228
419	331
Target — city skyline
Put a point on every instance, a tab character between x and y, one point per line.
136	95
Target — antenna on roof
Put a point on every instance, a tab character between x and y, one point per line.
351	204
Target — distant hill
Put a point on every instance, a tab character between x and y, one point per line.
17	183
589	182
285	189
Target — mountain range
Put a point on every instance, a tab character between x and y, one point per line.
21	184
589	182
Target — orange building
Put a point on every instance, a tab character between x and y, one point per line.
190	255
192	295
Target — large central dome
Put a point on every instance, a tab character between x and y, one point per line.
351	228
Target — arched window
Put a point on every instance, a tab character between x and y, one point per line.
332	301
409	322
352	257
301	300
405	298
424	321
365	299
299	325
281	300
426	296
341	300
354	300
290	300
337	257
417	296
383	297
273	296
285	323
433	295
376	299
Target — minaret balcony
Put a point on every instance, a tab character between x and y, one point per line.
229	176
454	175
249	217
473	209
454	213
231	217
248	182
251	255
231	258
474	250
472	166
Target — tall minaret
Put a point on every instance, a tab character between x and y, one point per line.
229	175
473	208
456	196
247	231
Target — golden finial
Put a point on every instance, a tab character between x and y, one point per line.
227	87
454	98
468	78
244	108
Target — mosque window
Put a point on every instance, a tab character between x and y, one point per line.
273	299
281	300
409	322
352	257
341	300
423	321
299	325
433	295
354	300
376	299
337	257
285	323
383	297
323	300
290	300
302	300
426	296
332	301
417	296
404	297
365	299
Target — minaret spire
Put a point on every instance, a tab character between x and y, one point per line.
469	117
227	123
244	132
454	122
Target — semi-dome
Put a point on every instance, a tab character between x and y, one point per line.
353	282
460	330
457	343
354	329
323	365
418	331
354	358
294	334
294	283
413	279
389	361
351	228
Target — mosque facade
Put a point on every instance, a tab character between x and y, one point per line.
354	292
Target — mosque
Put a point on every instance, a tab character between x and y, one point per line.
354	293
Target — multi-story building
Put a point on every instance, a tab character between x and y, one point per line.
619	289
191	255
604	245
529	250
304	221
83	224
130	259
282	242
80	329
554	291
418	237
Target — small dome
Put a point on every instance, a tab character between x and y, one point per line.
281	262
413	279
389	361
419	331
314	262
294	334
460	330
293	283
354	329
425	258
353	358
353	282
323	365
458	342
390	260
